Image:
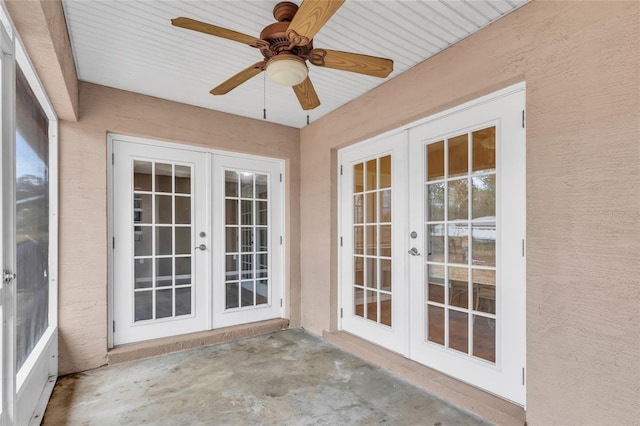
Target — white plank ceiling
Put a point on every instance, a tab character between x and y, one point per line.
131	45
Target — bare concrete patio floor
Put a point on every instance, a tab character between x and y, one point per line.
286	378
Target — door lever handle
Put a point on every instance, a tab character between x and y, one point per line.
201	247
414	252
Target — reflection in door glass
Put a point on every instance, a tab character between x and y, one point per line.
246	234
32	220
460	287
372	274
162	214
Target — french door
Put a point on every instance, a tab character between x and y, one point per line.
196	240
455	223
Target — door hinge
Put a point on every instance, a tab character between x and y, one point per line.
523	377
340	170
340	241
523	247
280	177
113	242
281	303
280	239
113	326
340	312
523	119
113	158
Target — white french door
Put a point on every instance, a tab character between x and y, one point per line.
457	221
197	240
248	259
374	289
161	242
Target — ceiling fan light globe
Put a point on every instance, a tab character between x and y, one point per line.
287	72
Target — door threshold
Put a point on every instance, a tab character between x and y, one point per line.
150	348
460	394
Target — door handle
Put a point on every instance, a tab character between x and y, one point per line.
201	247
414	252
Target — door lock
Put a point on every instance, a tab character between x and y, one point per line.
201	247
414	252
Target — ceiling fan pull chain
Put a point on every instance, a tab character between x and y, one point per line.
307	119
264	100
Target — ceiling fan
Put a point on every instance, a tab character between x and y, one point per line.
286	45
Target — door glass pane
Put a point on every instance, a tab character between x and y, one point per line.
372	242
164	272
458	199
143	273
251	266
435	283
460	229
164	177
246	183
385	172
163	246
183	301
435	324
261	187
435	201
435	161
142	175
32	220
458	242
143	301
484	149
483	193
262	292
183	270
459	287
458	331
142	209
458	156
230	183
164	209
371	173
183	210
484	338
164	303
183	179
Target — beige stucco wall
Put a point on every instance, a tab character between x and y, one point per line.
83	199
581	64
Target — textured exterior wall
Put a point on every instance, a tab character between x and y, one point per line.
43	30
581	64
83	199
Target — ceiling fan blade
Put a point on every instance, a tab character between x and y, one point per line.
309	18
238	79
352	62
307	95
192	24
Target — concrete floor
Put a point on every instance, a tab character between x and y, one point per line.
286	378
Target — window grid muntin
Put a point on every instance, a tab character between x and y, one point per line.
153	225
376	291
253	251
471	310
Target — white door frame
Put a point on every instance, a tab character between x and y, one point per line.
128	331
518	395
212	153
273	169
396	336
